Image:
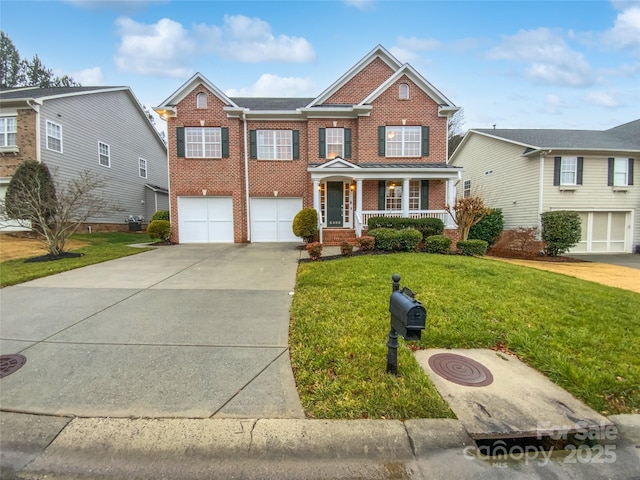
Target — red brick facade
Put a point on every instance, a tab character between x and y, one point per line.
25	138
290	178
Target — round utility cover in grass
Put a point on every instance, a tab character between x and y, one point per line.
460	370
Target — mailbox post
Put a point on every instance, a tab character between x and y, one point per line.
408	319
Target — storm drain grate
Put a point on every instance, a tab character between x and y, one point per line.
461	370
11	363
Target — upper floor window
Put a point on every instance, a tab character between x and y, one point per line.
203	142
568	170
620	172
335	142
403	141
54	137
403	91
201	100
8	131
275	144
104	156
142	167
466	190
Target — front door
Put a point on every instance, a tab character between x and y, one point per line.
335	199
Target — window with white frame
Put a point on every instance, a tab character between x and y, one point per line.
275	144
414	195
8	129
620	172
54	137
393	196
403	141
568	170
201	100
142	167
203	142
104	154
403	91
335	142
466	190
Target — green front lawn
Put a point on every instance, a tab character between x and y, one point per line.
102	247
582	335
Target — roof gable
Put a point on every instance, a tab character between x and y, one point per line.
338	162
187	88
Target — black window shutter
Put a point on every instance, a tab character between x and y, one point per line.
610	172
253	145
180	141
296	144
382	187
424	194
425	141
630	174
224	133
347	143
556	170
579	171
381	141
322	142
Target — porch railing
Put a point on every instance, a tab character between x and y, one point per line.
441	214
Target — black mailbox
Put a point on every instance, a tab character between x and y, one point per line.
408	316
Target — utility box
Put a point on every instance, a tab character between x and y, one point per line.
408	316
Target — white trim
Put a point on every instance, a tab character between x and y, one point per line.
100	154
47	136
146	168
186	88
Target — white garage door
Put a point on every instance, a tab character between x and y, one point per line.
271	219
205	219
603	232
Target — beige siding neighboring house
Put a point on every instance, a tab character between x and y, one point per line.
528	172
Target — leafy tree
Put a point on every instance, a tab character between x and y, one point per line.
467	212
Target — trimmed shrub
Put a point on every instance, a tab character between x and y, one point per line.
305	224
437	244
520	242
159	229
366	243
346	249
472	247
561	230
426	226
314	249
489	228
390	240
161	215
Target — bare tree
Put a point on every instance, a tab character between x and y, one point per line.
456	132
54	218
466	212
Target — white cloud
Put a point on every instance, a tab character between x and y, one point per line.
269	85
603	99
408	49
550	60
162	48
90	77
250	40
626	31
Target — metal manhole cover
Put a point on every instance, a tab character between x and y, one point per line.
11	363
460	370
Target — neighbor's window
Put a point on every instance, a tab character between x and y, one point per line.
8	131
620	172
104	157
403	141
201	100
203	142
54	137
335	142
568	170
403	91
275	144
466	191
142	167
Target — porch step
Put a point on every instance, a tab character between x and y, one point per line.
335	236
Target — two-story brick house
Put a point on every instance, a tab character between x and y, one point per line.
103	130
373	143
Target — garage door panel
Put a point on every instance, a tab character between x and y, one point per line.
603	232
205	219
272	219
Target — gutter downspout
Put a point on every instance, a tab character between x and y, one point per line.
543	155
36	108
246	176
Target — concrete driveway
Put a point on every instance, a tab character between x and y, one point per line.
631	260
193	331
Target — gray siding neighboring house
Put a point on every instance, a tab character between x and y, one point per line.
100	129
531	171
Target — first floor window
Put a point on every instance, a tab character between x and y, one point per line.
568	170
466	191
104	157
142	165
203	142
621	172
8	131
403	141
393	196
275	144
54	137
414	195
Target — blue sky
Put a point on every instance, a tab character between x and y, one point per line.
516	64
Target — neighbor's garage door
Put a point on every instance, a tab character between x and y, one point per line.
205	219
271	219
603	232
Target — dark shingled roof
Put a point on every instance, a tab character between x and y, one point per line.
36	92
622	137
260	103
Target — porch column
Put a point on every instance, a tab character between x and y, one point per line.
359	220
405	197
316	199
450	199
